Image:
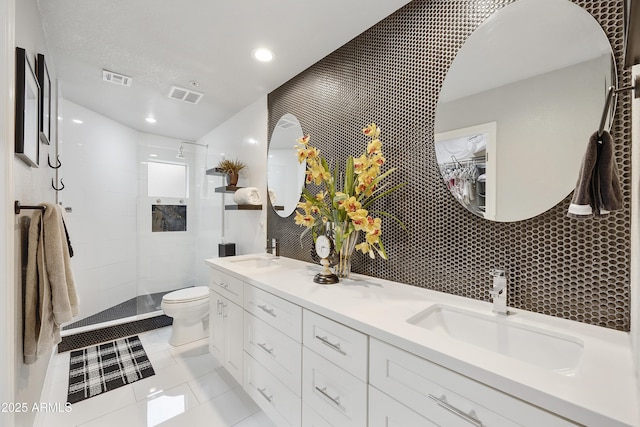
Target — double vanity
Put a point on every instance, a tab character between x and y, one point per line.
370	352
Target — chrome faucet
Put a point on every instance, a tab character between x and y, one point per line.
498	292
273	247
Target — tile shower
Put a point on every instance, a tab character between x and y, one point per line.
123	266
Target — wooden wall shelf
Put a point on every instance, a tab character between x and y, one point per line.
243	207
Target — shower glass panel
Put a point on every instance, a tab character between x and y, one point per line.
134	238
167	225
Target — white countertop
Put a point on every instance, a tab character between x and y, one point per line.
603	392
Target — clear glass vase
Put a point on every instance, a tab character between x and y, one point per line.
342	268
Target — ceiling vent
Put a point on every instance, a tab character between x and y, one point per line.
186	95
115	78
286	124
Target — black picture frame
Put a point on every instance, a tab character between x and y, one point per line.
45	99
27	141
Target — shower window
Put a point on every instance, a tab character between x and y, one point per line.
167	180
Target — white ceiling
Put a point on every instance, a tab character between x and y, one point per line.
161	43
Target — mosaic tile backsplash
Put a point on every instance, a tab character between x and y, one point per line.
392	74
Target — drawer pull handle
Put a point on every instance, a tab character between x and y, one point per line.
335	400
265	348
443	404
262	392
336	347
267	310
223	285
219	307
225	312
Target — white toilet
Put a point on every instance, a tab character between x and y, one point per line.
189	308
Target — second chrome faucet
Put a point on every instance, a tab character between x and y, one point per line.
498	292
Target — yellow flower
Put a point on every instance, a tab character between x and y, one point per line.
378	160
344	205
318	174
372	130
365	248
351	204
374	147
359	219
304	219
360	164
308	207
313	153
365	182
373	226
302	156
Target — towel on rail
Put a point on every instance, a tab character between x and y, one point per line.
50	297
247	196
598	190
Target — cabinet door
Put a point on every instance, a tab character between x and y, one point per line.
233	328
386	412
216	326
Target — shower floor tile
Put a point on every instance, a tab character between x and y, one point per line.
142	304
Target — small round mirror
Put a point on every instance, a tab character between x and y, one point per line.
285	176
518	105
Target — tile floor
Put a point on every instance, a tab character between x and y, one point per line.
190	388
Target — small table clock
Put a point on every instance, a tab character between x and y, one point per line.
324	248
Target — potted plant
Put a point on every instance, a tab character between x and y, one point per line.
232	168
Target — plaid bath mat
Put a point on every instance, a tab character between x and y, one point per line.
98	369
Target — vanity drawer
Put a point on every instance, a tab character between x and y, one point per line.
311	418
340	397
282	315
226	285
336	342
282	406
446	397
277	352
385	411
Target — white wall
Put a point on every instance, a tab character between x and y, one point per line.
100	172
31	186
243	136
8	353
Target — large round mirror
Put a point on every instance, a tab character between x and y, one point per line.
285	176
518	105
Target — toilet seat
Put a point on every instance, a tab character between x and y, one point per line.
195	293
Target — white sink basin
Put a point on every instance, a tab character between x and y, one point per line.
545	349
257	261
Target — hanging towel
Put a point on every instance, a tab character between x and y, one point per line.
247	196
598	190
50	297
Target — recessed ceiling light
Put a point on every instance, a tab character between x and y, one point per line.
78	121
150	119
153	155
262	54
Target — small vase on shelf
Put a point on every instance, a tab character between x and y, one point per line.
232	179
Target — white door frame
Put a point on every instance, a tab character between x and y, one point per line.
8	333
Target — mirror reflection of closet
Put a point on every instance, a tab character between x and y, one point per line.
285	176
537	73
